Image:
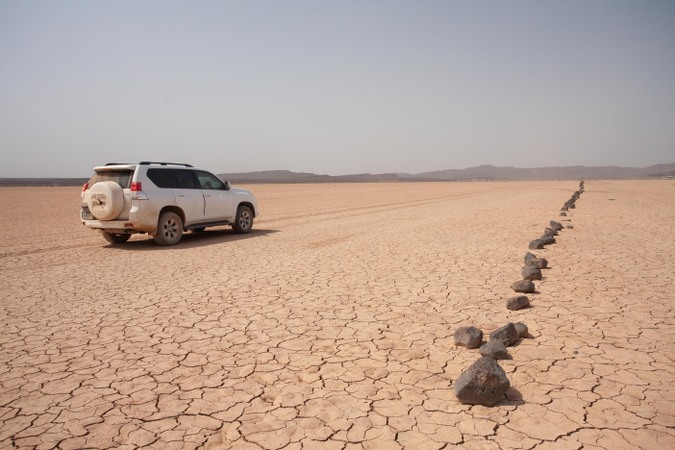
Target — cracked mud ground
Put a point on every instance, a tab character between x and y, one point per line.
330	326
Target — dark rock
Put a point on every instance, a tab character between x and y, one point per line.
517	302
569	226
532	260
506	335
540	263
521	328
469	337
555	225
537	244
531	272
494	349
547	239
482	383
524	286
563	213
550	232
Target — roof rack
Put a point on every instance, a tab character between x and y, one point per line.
118	164
147	163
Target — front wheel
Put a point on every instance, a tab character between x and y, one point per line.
169	229
244	220
115	238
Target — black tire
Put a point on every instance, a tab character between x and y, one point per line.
244	220
169	229
115	238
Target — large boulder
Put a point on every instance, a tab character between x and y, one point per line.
517	302
506	335
524	286
482	383
469	337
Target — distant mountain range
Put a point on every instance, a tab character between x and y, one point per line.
480	173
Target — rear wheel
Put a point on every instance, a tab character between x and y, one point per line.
169	229
244	220
115	238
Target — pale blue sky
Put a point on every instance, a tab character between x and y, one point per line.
335	87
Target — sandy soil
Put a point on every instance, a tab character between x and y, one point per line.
331	325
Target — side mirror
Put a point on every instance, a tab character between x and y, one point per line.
227	185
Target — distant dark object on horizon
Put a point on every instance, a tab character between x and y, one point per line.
480	173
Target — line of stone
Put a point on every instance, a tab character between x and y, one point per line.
485	381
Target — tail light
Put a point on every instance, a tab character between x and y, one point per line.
85	187
137	191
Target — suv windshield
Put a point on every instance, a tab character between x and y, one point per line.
121	177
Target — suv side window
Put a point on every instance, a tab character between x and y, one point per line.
184	179
209	181
161	177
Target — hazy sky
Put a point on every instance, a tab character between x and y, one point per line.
336	86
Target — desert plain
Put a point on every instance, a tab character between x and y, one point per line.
331	325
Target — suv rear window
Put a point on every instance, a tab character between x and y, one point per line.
161	177
121	177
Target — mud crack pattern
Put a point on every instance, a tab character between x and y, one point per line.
330	325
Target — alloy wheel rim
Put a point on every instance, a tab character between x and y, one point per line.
245	219
170	228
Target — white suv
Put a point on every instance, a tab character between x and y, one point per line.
162	199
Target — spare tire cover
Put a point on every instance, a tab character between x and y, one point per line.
105	200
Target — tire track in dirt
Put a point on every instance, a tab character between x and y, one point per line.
52	252
323	216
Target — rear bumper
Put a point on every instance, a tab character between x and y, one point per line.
116	226
139	221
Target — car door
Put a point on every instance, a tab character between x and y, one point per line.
218	200
188	195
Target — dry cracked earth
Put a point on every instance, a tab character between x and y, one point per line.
331	325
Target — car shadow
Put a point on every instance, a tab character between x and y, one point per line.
210	236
